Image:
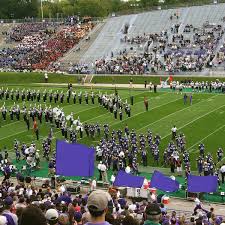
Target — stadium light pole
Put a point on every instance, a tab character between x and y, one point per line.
42	14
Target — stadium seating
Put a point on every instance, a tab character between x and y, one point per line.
150	22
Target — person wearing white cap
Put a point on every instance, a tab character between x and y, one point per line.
52	216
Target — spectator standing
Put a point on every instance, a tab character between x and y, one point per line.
78	218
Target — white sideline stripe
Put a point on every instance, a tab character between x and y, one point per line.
205	138
173	113
196	119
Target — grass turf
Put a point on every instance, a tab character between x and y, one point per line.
15	78
7	78
203	121
124	79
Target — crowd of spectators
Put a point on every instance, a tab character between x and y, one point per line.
182	48
55	47
26	29
41	44
25	203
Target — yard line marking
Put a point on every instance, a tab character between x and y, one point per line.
91	78
220	161
205	137
10	124
171	114
144	112
12	135
196	119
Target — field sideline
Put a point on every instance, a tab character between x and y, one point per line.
203	121
15	78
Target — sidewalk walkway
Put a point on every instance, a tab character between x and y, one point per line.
133	86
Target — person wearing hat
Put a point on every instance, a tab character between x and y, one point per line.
78	218
152	214
12	218
97	205
52	216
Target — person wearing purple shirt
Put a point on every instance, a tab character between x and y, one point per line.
97	206
7	173
65	198
191	99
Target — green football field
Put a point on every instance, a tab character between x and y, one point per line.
201	122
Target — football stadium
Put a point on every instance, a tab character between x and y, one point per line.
112	112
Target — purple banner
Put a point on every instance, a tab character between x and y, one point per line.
205	184
124	179
164	183
74	159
